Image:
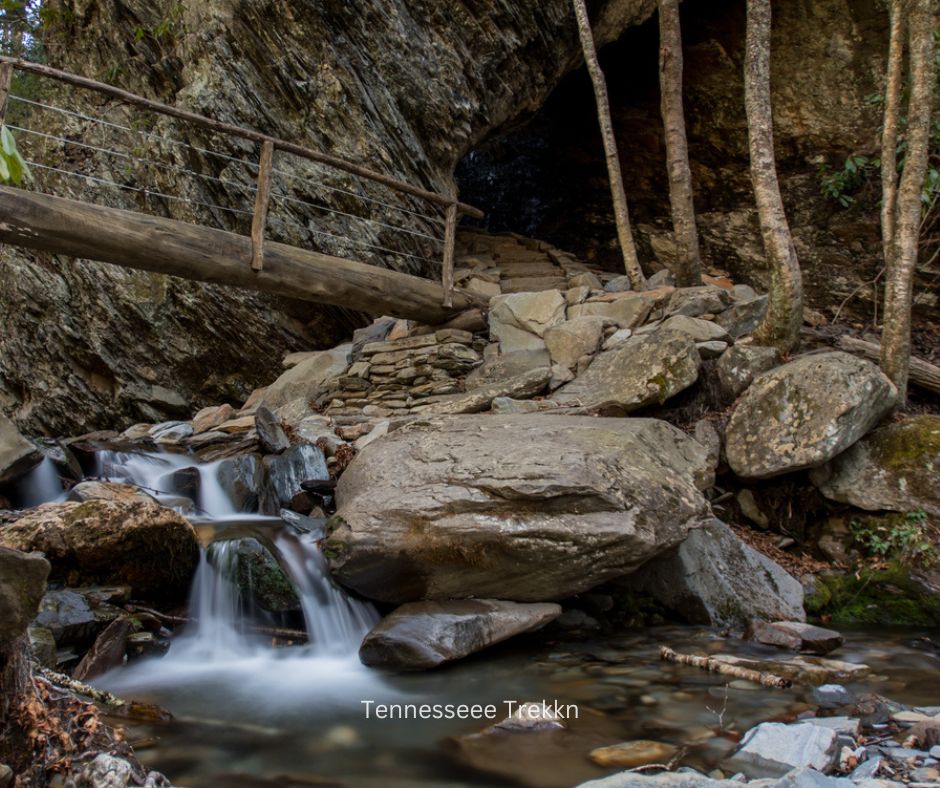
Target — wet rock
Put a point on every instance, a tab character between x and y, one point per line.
171	431
308	379
185	482
633	753
296	465
833	696
737	368
17	455
270	433
517	506
136	543
42	646
896	467
106	653
772	749
796	635
262	580
64	460
568	341
244	481
804	413
715	578
643	371
22	584
422	635
73	617
107	491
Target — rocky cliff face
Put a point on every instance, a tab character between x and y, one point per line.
403	86
548	178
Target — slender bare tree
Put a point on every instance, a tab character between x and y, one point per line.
631	262
781	326
889	137
688	265
902	260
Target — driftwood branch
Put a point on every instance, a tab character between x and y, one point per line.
715	666
274	632
78	687
922	373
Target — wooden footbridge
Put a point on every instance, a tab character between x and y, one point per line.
312	185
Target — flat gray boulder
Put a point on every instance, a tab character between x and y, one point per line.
524	507
804	413
644	370
308	379
715	578
422	635
17	455
772	749
896	467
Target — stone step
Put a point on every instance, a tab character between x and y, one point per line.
533	284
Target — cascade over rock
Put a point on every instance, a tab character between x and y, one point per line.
521	507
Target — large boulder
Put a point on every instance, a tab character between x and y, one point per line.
522	507
421	635
308	379
17	455
896	467
715	578
644	370
22	584
119	542
519	321
804	413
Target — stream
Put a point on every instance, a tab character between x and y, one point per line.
246	713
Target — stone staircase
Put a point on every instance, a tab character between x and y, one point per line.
490	265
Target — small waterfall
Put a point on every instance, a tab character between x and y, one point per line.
41	485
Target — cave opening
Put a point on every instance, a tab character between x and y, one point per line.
546	176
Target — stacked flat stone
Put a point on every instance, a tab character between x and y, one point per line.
400	377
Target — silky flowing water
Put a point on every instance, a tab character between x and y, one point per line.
248	714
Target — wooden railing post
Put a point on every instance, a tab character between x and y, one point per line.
450	240
260	218
6	77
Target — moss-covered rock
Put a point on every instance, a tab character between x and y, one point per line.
896	595
896	467
262	580
131	542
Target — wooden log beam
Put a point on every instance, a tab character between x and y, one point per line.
450	240
922	373
166	246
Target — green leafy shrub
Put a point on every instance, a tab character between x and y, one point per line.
906	538
13	167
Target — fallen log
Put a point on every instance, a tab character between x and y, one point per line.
78	687
204	254
922	373
257	629
715	666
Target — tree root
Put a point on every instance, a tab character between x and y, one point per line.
707	663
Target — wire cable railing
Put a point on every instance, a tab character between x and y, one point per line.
318	197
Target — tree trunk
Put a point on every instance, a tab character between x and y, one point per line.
889	136
781	326
899	283
688	266
631	262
